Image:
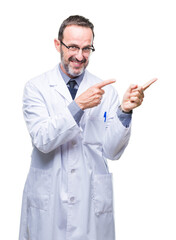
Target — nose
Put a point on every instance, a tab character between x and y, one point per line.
79	55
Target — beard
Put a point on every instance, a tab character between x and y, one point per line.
69	69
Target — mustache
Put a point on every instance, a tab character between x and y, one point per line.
74	59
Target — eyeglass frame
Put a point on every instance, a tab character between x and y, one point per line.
92	49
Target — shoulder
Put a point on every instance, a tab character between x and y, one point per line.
44	79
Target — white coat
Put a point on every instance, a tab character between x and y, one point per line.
68	193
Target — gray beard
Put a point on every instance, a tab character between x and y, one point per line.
69	70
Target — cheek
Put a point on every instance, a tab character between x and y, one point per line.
87	62
64	57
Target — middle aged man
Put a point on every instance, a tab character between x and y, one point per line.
68	194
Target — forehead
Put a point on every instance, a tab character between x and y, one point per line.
78	35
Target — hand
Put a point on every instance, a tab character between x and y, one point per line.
93	95
134	96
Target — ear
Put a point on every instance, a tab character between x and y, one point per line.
57	44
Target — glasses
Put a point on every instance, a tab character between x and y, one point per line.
75	49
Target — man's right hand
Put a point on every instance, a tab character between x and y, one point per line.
93	95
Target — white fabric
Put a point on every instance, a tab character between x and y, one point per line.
68	193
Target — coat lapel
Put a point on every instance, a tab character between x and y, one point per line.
85	84
56	81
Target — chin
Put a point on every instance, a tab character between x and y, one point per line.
76	73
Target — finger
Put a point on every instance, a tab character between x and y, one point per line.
104	83
138	91
145	86
102	91
137	94
138	88
136	100
132	88
98	91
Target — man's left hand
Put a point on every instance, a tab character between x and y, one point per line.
134	96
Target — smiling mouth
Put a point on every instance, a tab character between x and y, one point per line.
76	61
77	64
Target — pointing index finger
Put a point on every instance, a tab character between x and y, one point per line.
104	83
145	86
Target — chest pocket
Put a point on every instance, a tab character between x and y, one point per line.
94	125
94	130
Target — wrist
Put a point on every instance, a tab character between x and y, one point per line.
80	104
125	110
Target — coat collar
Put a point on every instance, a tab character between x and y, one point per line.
56	81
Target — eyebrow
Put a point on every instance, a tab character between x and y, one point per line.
75	45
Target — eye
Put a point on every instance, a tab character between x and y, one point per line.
87	49
73	48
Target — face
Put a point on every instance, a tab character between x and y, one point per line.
73	64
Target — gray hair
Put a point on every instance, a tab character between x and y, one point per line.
75	20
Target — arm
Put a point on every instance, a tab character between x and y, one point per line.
76	111
47	132
124	117
117	135
117	130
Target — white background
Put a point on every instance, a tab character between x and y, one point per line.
135	41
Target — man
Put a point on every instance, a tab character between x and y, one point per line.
75	122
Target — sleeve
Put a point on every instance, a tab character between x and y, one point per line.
116	134
76	111
47	132
125	118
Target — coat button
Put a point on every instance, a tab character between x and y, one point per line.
73	143
73	170
72	199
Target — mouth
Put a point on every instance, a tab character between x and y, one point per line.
76	63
